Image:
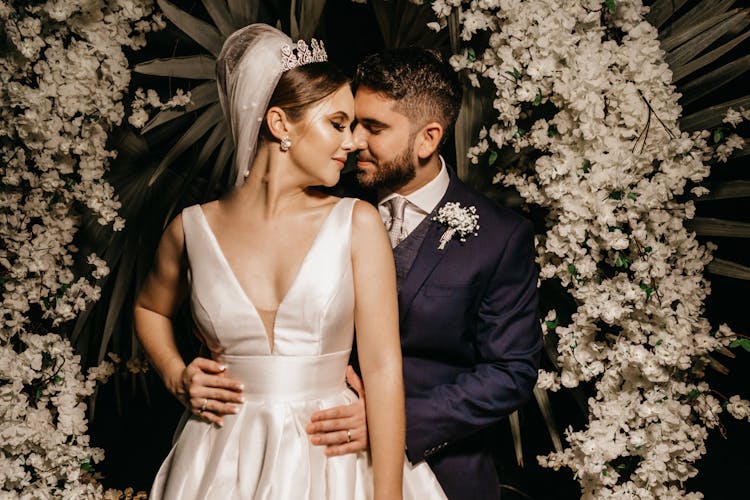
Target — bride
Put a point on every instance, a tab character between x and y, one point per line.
278	275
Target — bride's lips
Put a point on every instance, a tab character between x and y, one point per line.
340	159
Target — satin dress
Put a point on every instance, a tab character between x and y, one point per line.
263	452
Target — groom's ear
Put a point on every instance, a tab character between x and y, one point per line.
277	122
428	139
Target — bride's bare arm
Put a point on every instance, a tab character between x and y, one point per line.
201	385
379	348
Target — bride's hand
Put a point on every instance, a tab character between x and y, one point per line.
208	392
342	429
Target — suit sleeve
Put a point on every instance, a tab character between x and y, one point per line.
508	337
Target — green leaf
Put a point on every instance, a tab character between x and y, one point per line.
659	342
492	157
203	33
633	196
552	131
616	195
572	269
86	464
38	393
520	132
648	249
586	166
551	325
515	74
538	98
743	342
621	261
693	394
610	4
57	379
718	134
471	54
649	290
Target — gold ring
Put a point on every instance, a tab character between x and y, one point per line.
348	436
203	406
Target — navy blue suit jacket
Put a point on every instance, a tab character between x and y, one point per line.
471	339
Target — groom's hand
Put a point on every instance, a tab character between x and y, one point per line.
342	429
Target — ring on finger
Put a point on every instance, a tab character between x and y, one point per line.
203	406
348	436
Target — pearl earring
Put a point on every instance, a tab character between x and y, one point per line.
285	143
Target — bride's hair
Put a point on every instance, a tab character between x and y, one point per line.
251	77
301	87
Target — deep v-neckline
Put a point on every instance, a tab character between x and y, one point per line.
270	343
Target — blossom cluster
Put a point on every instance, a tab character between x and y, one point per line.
463	221
584	99
63	76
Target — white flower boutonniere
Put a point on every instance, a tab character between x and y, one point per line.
460	220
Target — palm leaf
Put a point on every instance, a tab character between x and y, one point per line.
192	67
662	10
690	34
707	59
709	226
244	12
694	16
542	400
202	32
305	18
727	190
698	43
221	16
515	429
705	84
729	269
202	95
198	129
713	116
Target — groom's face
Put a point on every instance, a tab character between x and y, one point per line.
384	140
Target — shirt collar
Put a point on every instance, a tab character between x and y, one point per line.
428	196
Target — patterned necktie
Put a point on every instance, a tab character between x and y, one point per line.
396	207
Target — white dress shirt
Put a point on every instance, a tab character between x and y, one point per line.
421	202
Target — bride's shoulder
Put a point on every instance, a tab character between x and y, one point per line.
365	216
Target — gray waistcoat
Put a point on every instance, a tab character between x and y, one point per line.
406	251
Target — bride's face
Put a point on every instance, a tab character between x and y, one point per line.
322	139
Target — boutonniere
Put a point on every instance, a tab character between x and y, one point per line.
459	220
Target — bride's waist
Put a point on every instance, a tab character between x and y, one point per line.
289	377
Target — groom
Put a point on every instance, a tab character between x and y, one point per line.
470	332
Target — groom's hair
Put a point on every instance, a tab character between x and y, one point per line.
424	86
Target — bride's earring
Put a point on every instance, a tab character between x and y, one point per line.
285	143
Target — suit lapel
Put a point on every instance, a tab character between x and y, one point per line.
429	256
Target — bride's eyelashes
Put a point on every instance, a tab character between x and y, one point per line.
338	125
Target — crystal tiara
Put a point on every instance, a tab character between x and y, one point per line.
301	54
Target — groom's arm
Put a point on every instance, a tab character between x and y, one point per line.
508	340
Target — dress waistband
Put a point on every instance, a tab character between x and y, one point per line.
288	378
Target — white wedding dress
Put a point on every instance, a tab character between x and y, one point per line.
263	451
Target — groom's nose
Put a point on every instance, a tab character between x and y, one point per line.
359	137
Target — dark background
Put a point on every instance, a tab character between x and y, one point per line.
135	426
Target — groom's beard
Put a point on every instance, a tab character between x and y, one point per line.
388	176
